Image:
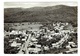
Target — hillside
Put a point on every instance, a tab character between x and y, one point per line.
41	14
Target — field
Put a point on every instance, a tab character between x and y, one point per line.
23	26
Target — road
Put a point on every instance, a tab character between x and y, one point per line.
25	45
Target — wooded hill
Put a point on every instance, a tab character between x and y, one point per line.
61	13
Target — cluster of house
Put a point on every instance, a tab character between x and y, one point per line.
49	35
59	29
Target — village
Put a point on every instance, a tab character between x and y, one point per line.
50	38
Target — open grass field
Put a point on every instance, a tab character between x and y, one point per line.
23	26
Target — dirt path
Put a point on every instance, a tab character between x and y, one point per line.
25	46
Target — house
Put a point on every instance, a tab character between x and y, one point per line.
68	27
72	44
65	31
38	46
34	50
15	44
14	32
33	39
46	48
68	46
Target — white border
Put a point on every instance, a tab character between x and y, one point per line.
2	26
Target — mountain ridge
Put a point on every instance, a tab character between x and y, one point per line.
41	14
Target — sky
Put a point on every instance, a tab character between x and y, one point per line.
36	4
